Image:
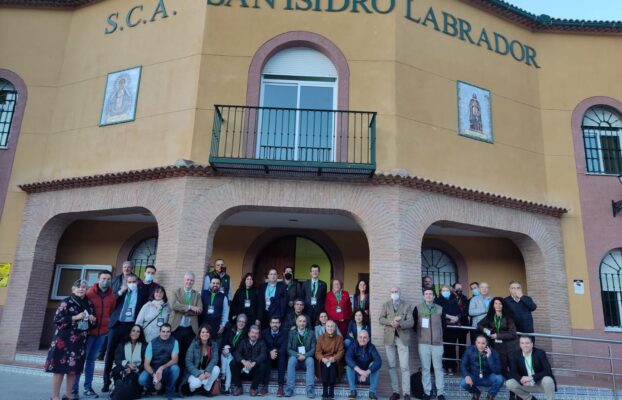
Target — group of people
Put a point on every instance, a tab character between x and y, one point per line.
497	354
208	341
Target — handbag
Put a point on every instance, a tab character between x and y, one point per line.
126	388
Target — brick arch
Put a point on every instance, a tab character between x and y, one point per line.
299	39
7	156
320	238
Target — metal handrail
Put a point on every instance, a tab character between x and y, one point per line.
612	373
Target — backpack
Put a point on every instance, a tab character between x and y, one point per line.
416	385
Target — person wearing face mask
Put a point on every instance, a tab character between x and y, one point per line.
478	306
73	318
120	280
429	324
396	318
275	338
453	316
148	281
104	302
463	305
292	287
130	300
154	314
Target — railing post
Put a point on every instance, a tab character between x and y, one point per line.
613	372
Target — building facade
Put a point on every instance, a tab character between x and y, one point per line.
176	132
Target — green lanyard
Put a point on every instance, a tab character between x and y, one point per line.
314	289
479	357
429	313
497	322
236	337
246	294
529	363
161	310
211	301
338	296
188	297
128	298
304	336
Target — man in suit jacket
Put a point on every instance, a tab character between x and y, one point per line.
275	339
272	299
314	294
530	371
130	299
397	319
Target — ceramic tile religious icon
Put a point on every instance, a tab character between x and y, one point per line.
120	96
474	112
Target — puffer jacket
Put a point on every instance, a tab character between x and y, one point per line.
103	304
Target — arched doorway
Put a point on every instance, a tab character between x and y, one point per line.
296	251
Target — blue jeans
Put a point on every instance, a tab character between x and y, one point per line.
292	365
169	377
352	379
93	346
493	381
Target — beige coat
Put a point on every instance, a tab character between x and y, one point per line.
179	308
387	315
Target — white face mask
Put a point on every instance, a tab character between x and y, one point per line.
395	296
131	286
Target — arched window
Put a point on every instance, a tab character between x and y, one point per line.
298	93
143	254
8	100
602	133
439	266
611	288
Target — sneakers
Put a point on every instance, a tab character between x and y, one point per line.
90	393
352	395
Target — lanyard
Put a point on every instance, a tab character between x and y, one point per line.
128	298
529	363
236	337
211	300
479	357
362	302
338	296
188	297
430	312
161	310
497	322
314	289
304	336
246	294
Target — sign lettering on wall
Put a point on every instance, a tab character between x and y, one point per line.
421	15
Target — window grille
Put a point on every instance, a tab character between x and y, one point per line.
8	98
611	288
602	133
439	266
143	254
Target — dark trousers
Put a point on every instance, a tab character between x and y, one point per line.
453	336
281	364
184	337
116	335
256	374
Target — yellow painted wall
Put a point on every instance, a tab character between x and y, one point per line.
199	55
494	260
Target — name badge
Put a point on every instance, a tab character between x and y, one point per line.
338	309
83	325
267	303
498	341
313	301
210	309
487	331
222	290
425	323
160	321
481	376
247	303
301	350
129	312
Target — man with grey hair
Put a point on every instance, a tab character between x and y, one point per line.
397	319
186	306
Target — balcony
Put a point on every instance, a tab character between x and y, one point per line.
293	141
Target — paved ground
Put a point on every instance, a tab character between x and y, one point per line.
32	387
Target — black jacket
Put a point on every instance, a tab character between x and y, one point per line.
237	305
277	303
540	365
320	295
521	312
246	351
278	342
141	299
293	291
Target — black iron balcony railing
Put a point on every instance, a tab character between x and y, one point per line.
293	141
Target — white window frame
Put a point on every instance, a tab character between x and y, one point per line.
84	267
298	83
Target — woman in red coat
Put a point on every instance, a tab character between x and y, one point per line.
338	306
